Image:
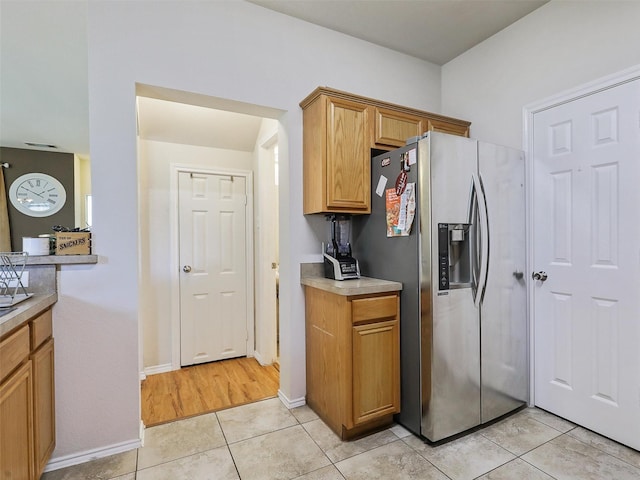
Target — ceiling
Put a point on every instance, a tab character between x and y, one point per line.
43	63
168	121
434	30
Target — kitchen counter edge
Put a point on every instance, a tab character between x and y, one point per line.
361	286
61	259
25	311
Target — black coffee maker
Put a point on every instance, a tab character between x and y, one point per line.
338	262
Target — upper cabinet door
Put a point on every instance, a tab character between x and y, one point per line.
393	128
348	155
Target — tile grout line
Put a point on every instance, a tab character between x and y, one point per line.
425	458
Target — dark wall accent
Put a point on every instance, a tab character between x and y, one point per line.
58	165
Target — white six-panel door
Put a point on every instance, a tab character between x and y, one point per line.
586	221
213	280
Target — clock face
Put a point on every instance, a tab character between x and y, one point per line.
37	194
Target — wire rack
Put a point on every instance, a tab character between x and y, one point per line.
12	266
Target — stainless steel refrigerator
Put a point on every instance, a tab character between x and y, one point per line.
448	221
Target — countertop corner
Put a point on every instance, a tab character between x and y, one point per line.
26	310
360	286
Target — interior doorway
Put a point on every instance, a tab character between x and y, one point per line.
584	160
179	129
268	261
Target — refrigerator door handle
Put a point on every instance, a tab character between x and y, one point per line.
475	251
482	239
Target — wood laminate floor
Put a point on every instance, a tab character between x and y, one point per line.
206	388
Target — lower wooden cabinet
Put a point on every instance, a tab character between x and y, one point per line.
16	425
43	405
27	413
353	359
375	370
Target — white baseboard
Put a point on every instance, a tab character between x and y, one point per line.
142	427
298	402
87	456
164	368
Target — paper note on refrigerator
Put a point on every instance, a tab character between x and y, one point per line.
400	210
413	157
382	182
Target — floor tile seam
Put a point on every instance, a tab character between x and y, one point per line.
551	426
604	451
554	415
370	449
425	458
376	446
480	433
355	454
233	459
436	467
182	457
320	468
500	446
300	421
137	461
321	449
537	467
265	433
225	444
518	455
221	429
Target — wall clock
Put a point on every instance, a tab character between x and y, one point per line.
37	194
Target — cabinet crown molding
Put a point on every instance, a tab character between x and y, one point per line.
332	92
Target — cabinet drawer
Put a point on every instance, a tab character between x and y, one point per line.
13	350
364	309
41	329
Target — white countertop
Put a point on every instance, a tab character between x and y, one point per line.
361	286
26	310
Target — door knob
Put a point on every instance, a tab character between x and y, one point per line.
186	268
542	276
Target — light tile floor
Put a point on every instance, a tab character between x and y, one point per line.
264	440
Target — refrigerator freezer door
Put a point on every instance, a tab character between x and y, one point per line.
504	365
451	357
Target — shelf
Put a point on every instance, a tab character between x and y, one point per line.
62	259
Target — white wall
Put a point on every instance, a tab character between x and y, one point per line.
229	49
559	46
156	159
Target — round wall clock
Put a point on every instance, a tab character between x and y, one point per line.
37	194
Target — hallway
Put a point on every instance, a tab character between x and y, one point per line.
206	388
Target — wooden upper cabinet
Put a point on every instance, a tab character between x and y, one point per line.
393	128
348	156
339	131
336	156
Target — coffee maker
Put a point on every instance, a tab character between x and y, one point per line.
338	262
